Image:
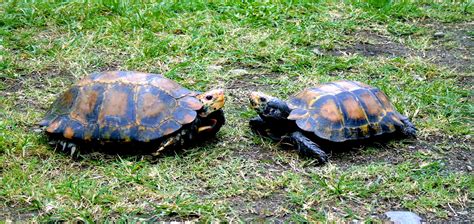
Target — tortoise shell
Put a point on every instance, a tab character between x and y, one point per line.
344	110
122	106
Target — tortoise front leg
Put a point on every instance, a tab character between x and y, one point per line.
306	147
259	126
170	142
210	126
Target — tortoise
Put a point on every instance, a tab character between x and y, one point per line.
132	107
339	111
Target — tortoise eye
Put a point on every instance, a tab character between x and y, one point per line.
208	97
262	99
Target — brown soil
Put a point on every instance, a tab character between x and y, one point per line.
457	157
12	214
459	58
267	209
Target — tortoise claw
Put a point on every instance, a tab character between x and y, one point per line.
208	127
73	150
164	145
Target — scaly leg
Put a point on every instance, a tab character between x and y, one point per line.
409	128
169	143
259	126
211	125
306	147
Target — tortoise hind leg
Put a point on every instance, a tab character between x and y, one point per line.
307	147
408	128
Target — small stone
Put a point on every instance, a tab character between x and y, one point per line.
317	52
438	34
405	217
469	168
238	72
214	68
48	208
467	137
419	78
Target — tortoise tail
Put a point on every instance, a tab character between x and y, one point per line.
408	128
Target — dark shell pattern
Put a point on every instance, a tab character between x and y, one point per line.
122	106
344	110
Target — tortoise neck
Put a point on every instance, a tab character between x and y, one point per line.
281	105
276	109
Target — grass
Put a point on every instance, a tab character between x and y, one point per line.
283	47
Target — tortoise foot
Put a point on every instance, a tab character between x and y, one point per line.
409	128
306	147
67	147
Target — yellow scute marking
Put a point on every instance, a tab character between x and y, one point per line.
328	88
85	105
385	102
108	77
68	133
192	103
365	130
373	108
115	105
165	84
354	111
53	126
67	98
152	106
309	97
330	111
136	77
347	85
188	118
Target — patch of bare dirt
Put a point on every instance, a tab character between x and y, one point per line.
455	153
372	44
465	81
16	215
11	85
263	156
250	82
32	80
458	57
267	209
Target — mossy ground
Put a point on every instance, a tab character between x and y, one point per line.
283	47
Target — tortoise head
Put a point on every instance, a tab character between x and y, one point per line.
268	106
212	100
259	101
